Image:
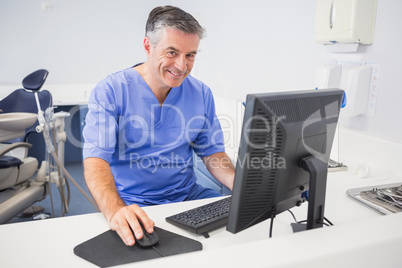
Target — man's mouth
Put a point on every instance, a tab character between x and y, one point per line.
175	74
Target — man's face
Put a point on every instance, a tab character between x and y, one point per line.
172	59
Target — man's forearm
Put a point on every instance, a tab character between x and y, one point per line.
100	181
121	218
221	167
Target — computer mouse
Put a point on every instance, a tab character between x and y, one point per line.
147	240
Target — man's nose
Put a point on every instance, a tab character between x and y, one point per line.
181	63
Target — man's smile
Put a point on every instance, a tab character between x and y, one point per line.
176	74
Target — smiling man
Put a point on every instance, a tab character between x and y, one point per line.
145	122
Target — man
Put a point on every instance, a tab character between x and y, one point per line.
143	125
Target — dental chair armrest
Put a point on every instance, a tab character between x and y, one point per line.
13	146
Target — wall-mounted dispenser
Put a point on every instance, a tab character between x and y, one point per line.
345	21
328	76
355	81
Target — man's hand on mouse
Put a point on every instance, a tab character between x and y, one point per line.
128	216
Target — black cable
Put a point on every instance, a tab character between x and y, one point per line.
329	222
324	223
325	219
293	215
271	226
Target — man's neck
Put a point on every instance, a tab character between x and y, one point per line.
160	93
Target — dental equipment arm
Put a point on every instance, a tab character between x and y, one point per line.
45	129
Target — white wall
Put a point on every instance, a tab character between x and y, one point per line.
251	46
77	41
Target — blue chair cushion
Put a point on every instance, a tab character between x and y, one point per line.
35	80
9	161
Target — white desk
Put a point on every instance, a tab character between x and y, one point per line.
361	237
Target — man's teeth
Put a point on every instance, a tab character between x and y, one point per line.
174	73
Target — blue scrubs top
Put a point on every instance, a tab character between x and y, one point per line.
148	146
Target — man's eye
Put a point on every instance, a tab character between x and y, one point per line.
171	53
191	56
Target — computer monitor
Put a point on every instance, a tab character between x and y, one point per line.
284	150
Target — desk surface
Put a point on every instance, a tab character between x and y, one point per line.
360	237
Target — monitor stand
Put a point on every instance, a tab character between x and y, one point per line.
318	170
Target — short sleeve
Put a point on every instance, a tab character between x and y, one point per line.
210	139
100	131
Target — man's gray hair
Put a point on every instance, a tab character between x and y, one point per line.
174	17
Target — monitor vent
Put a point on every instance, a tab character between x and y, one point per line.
265	140
300	109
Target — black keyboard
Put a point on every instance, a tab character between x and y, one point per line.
201	220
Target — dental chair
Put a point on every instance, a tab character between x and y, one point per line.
18	118
25	111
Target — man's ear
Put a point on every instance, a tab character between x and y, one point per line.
147	46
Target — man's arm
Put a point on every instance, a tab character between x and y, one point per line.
220	166
120	217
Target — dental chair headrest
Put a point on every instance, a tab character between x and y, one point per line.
35	80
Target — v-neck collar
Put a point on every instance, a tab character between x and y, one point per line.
157	109
170	95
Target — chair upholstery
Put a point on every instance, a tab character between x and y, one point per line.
16	168
22	101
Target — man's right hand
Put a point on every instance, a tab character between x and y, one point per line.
120	217
127	218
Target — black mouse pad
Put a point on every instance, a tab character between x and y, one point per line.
107	249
